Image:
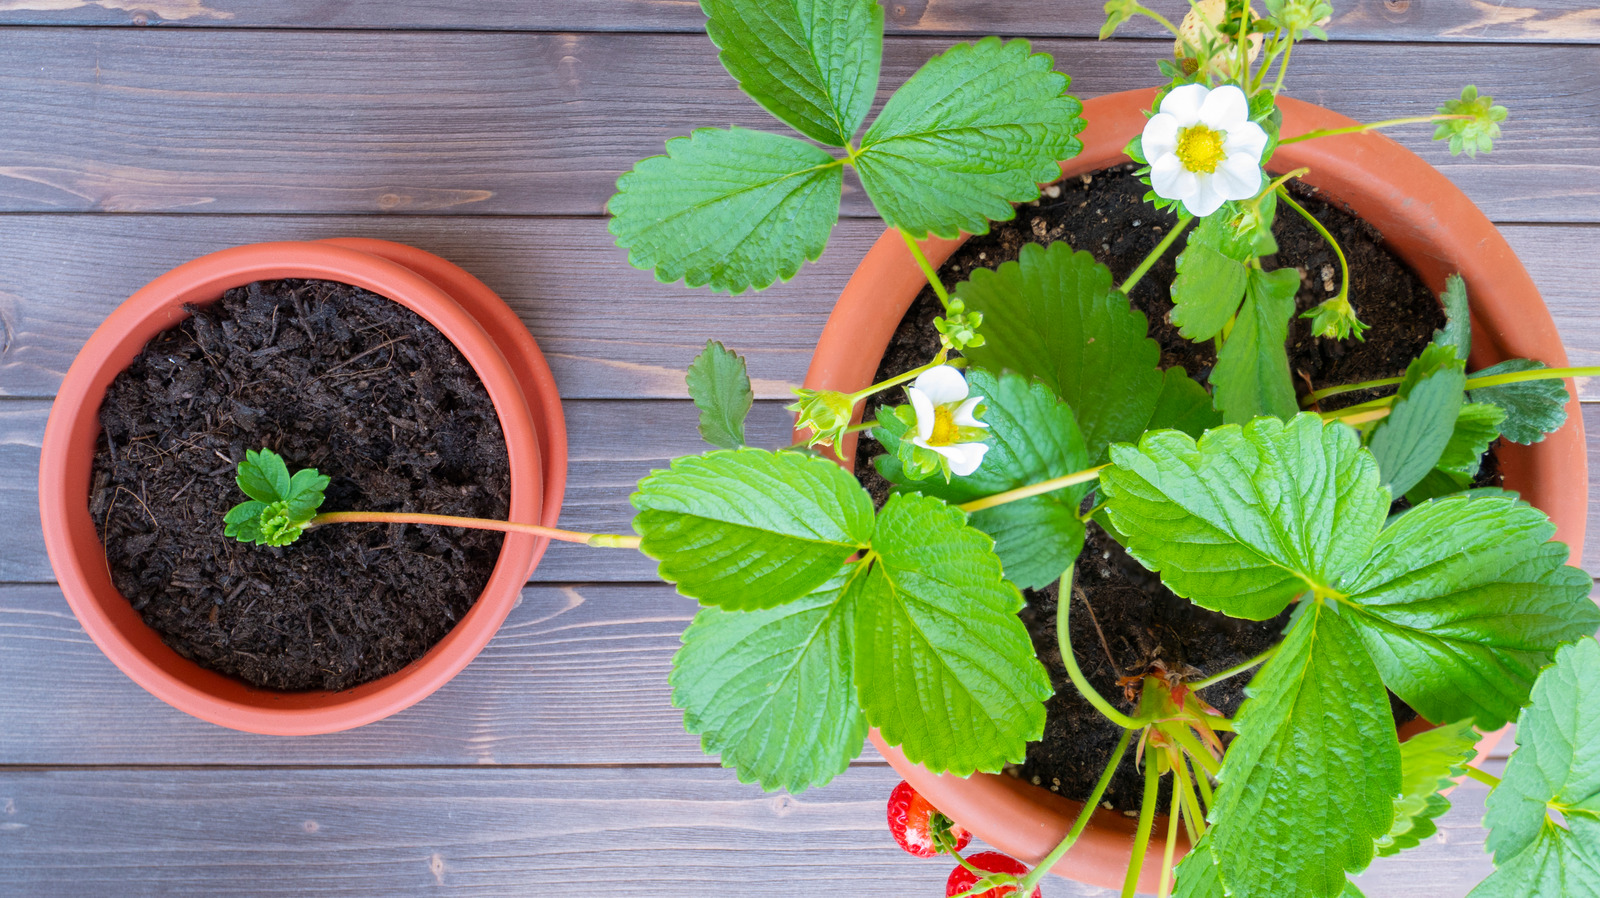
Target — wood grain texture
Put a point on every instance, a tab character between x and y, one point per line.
1568	21
526	123
609	330
522	833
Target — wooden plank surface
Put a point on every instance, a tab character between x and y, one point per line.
609	330
1567	21
528	832
527	123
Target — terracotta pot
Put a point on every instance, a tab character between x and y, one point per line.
481	326
1425	219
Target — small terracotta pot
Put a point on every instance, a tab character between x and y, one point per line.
471	316
1424	219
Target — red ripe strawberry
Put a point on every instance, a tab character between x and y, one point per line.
961	879
912	822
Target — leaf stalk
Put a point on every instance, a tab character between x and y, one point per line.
599	540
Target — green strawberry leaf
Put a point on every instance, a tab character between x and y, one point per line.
1251	377
1463	601
1477	425
1055	315
749	528
1428	763
1308	784
944	667
1032	437
749	681
306	493
263	476
1210	284
1533	408
812	63
1183	405
975	130
1408	442
720	387
731	208
1556	767
1249	517
1457	330
1196	875
243	521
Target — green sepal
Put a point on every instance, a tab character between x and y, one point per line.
1473	135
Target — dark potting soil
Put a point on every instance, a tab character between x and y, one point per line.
332	377
1123	618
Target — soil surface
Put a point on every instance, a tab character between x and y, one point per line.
1123	618
332	377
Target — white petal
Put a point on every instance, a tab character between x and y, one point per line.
1184	103
1206	199
943	385
924	409
1160	137
1245	137
1225	108
1170	179
963	416
1238	177
964	457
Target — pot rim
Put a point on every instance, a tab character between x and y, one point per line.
1425	219
460	307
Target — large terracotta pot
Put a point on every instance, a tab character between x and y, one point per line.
1425	219
469	314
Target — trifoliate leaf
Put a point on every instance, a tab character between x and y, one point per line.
1428	762
1463	601
1032	437
263	476
976	129
1308	784
1209	285
1533	408
1055	315
1556	767
812	63
1251	516
1251	377
720	387
751	683
749	528
1477	425
731	208
1457	330
1410	440
944	666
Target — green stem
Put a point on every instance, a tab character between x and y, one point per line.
1086	516
1283	67
1070	661
1150	13
1316	396
1517	377
898	379
1344	267
1357	129
1141	838
1033	489
927	269
1184	220
1191	744
1482	776
1174	814
1194	818
601	540
1092	802
1279	181
1233	671
1205	795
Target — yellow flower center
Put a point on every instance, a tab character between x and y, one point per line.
1200	149
944	427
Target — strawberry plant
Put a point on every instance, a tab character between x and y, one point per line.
1045	408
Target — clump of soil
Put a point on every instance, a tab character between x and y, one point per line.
1123	618
332	377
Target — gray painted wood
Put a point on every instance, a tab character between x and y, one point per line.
1369	20
609	330
528	832
525	123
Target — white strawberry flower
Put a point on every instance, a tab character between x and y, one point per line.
1203	149
945	420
